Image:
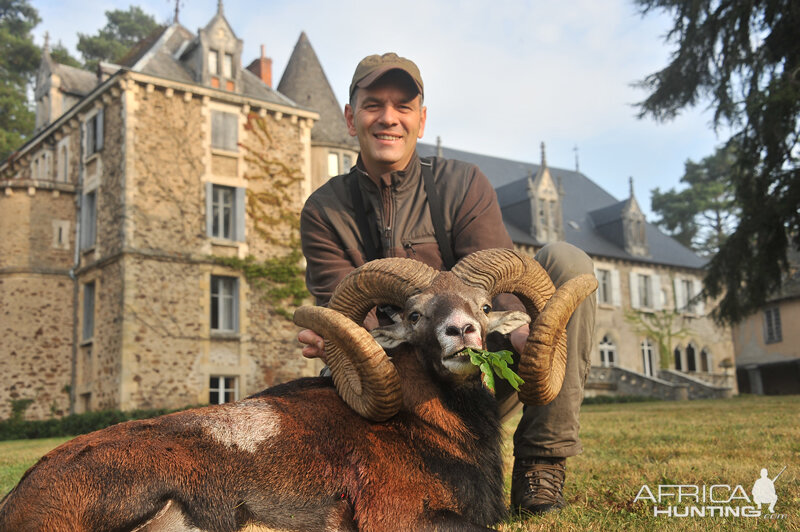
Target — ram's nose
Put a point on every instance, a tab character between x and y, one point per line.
455	330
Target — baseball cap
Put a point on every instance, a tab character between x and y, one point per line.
374	66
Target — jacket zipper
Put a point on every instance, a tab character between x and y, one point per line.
387	220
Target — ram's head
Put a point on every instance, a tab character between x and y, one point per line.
443	313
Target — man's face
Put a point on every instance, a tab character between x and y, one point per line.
388	118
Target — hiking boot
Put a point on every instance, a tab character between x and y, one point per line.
536	484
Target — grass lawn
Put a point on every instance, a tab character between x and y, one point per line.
628	445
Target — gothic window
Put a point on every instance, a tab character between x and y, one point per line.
691	360
678	362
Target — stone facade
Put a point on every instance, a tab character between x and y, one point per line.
107	262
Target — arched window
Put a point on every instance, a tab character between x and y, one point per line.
691	361
678	362
705	361
608	352
648	359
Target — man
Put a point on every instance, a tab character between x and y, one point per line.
384	208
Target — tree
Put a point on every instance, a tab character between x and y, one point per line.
19	59
743	57
702	215
123	30
61	55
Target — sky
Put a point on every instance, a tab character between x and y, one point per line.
500	77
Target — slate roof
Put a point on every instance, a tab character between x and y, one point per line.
582	196
160	55
75	80
304	81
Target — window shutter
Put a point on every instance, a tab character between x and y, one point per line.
236	289
700	307
677	285
634	286
84	223
100	118
655	292
209	208
238	206
616	298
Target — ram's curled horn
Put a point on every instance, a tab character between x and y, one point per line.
362	372
544	360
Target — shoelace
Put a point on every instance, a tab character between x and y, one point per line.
544	480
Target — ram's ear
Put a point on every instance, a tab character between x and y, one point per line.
506	321
390	336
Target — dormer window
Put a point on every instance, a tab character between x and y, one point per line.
213	63
227	66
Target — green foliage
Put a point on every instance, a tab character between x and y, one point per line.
662	326
123	30
743	57
18	408
490	362
72	425
702	215
19	59
60	54
279	280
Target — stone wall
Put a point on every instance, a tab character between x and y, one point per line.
35	343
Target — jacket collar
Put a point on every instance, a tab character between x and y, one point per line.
400	179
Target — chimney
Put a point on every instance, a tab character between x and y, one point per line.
262	67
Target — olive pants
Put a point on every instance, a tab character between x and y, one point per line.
552	430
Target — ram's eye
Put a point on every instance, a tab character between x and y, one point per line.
414	316
486	309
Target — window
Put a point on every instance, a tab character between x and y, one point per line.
224	304
691	360
213	66
678	362
222	390
333	164
225	212
347	162
89	220
688	294
705	361
224	131
63	164
608	352
94	133
604	288
772	325
644	291
227	66
647	357
88	311
542	213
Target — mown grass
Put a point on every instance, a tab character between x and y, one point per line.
696	442
626	446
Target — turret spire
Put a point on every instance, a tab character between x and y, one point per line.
544	156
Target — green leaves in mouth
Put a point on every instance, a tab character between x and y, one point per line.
491	363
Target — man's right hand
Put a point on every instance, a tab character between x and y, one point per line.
315	344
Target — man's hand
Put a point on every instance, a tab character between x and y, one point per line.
518	337
315	344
